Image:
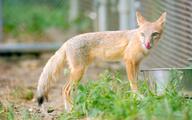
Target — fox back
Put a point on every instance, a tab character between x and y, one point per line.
113	45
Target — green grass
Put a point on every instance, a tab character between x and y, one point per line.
110	99
35	17
10	113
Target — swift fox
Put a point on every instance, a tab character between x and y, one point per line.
131	46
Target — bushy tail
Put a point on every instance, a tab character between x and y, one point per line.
50	73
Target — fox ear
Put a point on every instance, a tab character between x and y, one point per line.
162	19
140	19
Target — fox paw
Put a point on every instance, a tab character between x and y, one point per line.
68	106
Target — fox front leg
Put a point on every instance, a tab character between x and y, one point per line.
132	70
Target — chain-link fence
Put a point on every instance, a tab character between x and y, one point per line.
175	47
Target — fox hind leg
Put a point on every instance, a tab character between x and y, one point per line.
67	100
75	76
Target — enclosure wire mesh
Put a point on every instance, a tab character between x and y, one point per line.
175	47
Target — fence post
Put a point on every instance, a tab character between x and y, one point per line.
74	13
134	4
1	21
127	10
102	15
123	14
74	9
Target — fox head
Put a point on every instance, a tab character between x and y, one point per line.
150	32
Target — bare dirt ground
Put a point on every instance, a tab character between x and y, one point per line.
18	82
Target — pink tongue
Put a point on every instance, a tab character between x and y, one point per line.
148	45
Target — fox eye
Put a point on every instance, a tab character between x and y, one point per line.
155	34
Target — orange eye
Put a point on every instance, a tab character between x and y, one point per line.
155	34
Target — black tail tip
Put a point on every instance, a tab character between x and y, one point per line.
40	100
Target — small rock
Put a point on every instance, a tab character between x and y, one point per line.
30	109
50	110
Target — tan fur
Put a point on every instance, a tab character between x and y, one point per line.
81	50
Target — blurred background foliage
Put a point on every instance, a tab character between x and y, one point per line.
33	18
29	21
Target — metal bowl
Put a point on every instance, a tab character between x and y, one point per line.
158	79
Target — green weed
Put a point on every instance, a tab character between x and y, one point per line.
34	18
110	99
10	113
